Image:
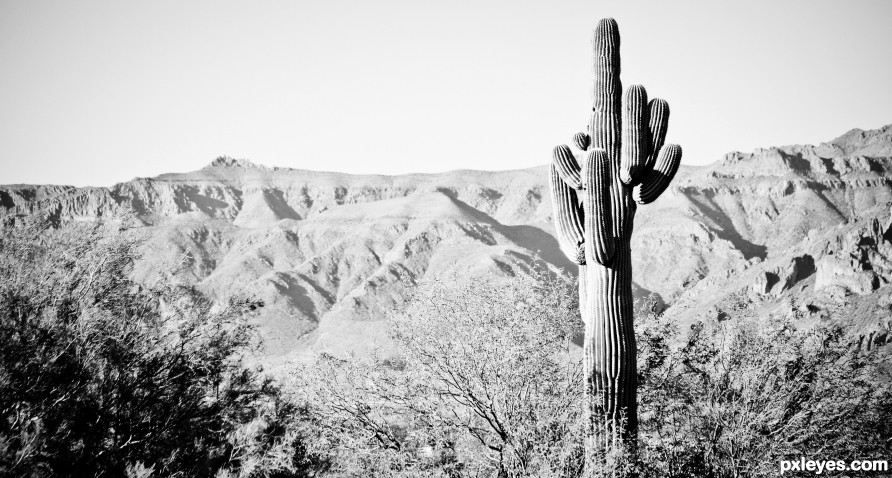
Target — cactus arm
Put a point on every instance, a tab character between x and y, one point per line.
567	218
657	180
624	163
597	175
567	167
582	141
605	127
658	125
635	135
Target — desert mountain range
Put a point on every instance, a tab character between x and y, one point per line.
802	231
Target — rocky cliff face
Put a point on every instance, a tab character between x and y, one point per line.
332	254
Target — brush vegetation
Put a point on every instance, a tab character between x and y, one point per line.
101	376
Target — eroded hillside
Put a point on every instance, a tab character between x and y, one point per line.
332	254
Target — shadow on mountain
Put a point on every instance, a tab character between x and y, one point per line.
191	195
277	203
805	267
727	231
538	241
530	238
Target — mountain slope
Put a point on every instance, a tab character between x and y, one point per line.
332	254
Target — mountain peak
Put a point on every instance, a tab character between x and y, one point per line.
865	142
228	162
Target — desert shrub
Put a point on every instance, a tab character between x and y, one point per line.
735	399
486	383
100	376
483	385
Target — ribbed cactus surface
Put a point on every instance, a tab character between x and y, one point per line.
596	183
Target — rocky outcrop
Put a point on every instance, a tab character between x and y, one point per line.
848	272
331	254
858	261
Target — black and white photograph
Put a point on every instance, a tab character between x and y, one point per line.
464	239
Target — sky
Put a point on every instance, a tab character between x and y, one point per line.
99	92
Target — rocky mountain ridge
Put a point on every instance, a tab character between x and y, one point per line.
331	254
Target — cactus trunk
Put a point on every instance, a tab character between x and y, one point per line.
609	352
621	162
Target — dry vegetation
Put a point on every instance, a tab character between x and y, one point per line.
100	376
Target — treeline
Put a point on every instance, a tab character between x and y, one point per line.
100	376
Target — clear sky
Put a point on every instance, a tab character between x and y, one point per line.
99	92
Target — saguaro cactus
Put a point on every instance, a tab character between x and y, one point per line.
623	163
